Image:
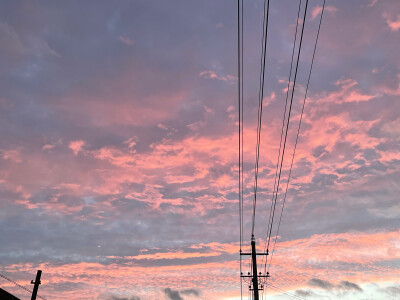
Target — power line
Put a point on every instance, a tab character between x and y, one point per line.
298	131
17	284
20	286
240	100
239	110
285	292
288	122
284	118
260	102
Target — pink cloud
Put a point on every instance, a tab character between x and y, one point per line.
131	142
393	23
175	255
294	264
318	9
179	172
269	99
97	110
209	74
348	92
127	99
13	155
373	2
162	126
126	40
76	146
107	113
47	147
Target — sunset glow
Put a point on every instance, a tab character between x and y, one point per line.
119	149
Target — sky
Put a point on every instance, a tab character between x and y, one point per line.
119	156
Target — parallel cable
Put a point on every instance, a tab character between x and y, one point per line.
240	130
258	116
20	286
283	120
288	122
240	100
260	106
298	131
242	109
285	292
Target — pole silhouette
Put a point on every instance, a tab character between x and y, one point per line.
36	284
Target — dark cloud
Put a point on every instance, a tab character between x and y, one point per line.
172	294
193	292
326	285
371	154
305	293
349	286
393	290
344	286
318	151
176	295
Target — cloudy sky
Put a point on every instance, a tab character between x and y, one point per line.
118	149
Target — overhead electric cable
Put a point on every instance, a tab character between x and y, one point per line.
20	286
240	109
240	130
283	121
298	131
287	124
242	102
17	284
260	105
286	293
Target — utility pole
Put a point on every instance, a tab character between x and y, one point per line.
36	284
254	286
254	261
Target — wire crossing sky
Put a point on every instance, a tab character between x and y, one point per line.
119	148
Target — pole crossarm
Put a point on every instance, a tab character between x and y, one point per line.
244	253
259	276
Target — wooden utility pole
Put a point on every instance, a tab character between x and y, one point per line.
36	284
